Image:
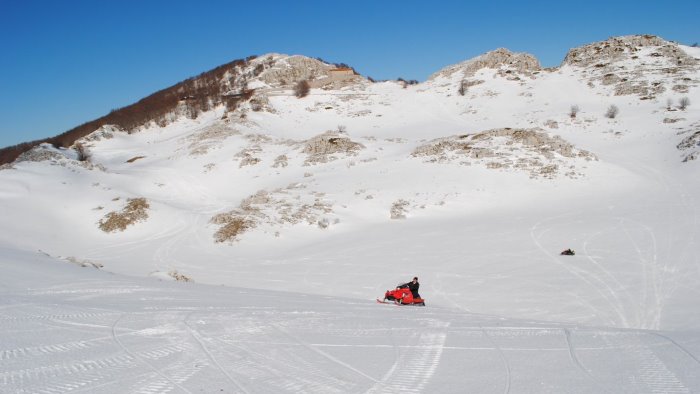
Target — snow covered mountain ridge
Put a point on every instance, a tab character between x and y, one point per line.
474	180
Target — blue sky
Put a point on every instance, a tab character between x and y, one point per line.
67	62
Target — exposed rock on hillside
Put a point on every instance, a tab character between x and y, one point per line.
620	48
329	146
690	145
287	71
524	149
636	65
42	152
501	59
46	152
280	207
202	141
105	132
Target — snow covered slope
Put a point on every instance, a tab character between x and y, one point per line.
78	330
474	181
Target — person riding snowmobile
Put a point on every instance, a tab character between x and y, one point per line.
413	286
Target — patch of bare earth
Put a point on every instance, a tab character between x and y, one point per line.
133	159
136	210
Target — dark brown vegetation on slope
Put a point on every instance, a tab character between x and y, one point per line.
196	94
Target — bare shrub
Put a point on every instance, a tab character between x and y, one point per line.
612	112
669	104
82	151
405	83
281	161
398	209
135	210
462	88
302	88
573	111
683	103
323	223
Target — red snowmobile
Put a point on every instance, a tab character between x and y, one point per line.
401	296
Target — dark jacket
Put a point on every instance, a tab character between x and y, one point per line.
414	288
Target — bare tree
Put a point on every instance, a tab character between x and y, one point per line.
573	111
683	103
82	151
462	88
669	104
302	88
612	111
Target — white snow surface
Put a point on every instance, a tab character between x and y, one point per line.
289	305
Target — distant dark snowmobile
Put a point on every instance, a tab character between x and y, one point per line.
568	252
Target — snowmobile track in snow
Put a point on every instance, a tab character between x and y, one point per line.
415	364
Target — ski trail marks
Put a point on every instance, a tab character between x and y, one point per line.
506	365
655	375
196	335
322	353
415	364
141	359
594	281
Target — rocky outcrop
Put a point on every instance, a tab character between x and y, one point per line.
287	71
530	150
42	152
200	142
499	59
644	65
329	146
626	47
690	145
273	209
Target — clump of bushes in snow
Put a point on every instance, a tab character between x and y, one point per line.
136	210
573	111
82	151
232	226
612	112
302	88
